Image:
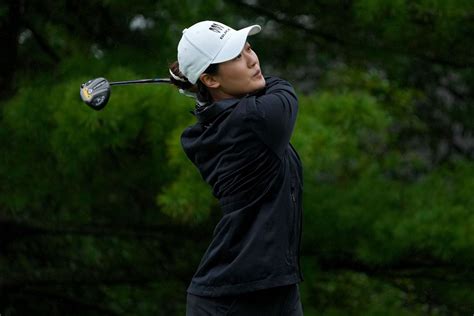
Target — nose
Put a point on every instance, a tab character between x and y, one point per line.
252	59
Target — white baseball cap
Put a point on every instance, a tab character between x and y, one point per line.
210	42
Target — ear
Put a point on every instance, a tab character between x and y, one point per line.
209	81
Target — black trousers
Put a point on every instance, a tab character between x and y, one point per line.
278	301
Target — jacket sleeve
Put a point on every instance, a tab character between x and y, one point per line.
272	114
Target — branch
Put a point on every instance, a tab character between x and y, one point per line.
361	44
400	283
412	267
11	229
42	42
283	19
68	301
88	278
73	279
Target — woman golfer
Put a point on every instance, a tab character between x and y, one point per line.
240	144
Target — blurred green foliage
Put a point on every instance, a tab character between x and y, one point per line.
101	213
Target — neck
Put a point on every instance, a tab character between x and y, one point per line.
218	95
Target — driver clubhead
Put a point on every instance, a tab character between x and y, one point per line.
95	93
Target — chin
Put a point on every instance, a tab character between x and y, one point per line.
260	84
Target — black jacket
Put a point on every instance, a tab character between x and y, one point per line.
241	148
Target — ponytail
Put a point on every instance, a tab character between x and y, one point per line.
179	80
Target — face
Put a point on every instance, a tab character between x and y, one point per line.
239	76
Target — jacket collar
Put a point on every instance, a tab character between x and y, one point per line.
206	113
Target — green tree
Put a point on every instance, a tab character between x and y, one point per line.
101	212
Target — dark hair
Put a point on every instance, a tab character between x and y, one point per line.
199	88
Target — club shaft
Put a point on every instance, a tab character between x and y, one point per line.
156	80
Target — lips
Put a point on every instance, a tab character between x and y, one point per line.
258	73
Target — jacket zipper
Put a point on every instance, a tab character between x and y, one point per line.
297	211
295	207
299	245
293	222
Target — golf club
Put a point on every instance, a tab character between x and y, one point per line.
96	92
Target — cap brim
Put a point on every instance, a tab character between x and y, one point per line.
235	44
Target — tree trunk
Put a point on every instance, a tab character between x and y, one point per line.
9	32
